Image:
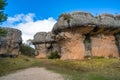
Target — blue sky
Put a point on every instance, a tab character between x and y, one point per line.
53	8
32	16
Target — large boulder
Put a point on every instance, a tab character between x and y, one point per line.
44	44
81	34
39	37
10	43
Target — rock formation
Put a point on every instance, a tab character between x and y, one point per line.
44	44
9	44
80	34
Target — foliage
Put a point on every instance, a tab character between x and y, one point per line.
98	57
87	57
93	57
54	55
3	16
27	50
3	32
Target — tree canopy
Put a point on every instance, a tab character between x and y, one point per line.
3	16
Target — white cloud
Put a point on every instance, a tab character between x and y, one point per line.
28	25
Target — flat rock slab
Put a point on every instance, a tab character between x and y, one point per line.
33	74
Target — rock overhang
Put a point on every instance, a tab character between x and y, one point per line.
10	31
43	37
103	23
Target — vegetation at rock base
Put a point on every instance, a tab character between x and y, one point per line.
93	69
54	55
27	50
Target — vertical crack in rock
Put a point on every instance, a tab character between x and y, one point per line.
87	44
117	40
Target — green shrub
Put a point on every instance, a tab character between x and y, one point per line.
54	55
98	57
87	56
111	56
94	57
27	50
3	32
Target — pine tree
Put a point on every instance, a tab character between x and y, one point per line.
3	16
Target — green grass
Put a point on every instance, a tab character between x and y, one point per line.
94	69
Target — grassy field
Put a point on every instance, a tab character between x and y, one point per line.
93	69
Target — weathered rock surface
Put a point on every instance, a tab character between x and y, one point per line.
44	44
71	44
104	45
9	44
81	34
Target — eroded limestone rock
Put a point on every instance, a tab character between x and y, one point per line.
104	45
10	44
72	46
45	44
96	35
80	34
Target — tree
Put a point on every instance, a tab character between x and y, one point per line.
27	50
3	16
3	32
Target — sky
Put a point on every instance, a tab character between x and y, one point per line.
32	16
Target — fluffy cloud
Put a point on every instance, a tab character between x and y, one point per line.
28	25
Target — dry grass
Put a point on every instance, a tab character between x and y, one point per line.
94	69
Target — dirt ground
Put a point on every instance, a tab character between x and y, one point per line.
33	74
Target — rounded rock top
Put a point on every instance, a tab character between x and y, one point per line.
84	19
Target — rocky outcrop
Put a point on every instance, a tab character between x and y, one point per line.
44	44
104	45
80	34
9	44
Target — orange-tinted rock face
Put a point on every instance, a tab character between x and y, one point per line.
40	51
104	45
41	55
43	50
72	46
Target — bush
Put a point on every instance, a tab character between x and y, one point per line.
27	50
87	57
54	55
94	57
3	32
98	57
